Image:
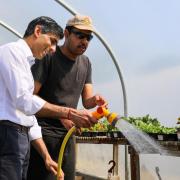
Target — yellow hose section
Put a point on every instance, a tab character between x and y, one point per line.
61	152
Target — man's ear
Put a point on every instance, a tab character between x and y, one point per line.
66	33
37	30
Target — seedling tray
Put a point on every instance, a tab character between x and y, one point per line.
164	137
111	134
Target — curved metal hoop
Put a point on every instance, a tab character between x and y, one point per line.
9	28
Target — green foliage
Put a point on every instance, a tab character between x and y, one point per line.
103	125
150	125
145	123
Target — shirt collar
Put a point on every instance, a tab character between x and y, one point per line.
31	60
27	51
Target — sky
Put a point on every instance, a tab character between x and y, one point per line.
144	37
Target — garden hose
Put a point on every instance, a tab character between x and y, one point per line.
98	114
61	152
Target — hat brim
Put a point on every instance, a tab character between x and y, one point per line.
83	27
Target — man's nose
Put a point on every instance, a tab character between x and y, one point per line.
85	41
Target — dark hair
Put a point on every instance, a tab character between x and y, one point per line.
69	28
48	26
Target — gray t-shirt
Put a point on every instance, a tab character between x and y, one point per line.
62	82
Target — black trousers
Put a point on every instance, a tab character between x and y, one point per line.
37	169
14	153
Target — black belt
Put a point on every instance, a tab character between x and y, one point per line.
18	127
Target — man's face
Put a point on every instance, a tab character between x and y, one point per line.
44	44
78	40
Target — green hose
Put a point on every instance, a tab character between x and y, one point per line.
61	152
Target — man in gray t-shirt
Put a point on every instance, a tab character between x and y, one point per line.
61	79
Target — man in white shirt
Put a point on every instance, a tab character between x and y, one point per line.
18	125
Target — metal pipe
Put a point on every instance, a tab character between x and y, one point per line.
9	28
108	48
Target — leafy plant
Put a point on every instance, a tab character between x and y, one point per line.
145	123
102	125
150	125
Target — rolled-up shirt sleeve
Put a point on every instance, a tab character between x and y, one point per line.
35	131
38	103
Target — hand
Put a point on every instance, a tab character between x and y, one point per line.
82	118
51	165
68	124
99	100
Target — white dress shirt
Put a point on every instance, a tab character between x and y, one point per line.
17	102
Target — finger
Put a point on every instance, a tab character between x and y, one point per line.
105	104
93	120
78	131
87	124
53	170
60	178
54	165
101	103
72	124
60	175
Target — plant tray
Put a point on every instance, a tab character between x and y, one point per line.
164	137
111	134
89	134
